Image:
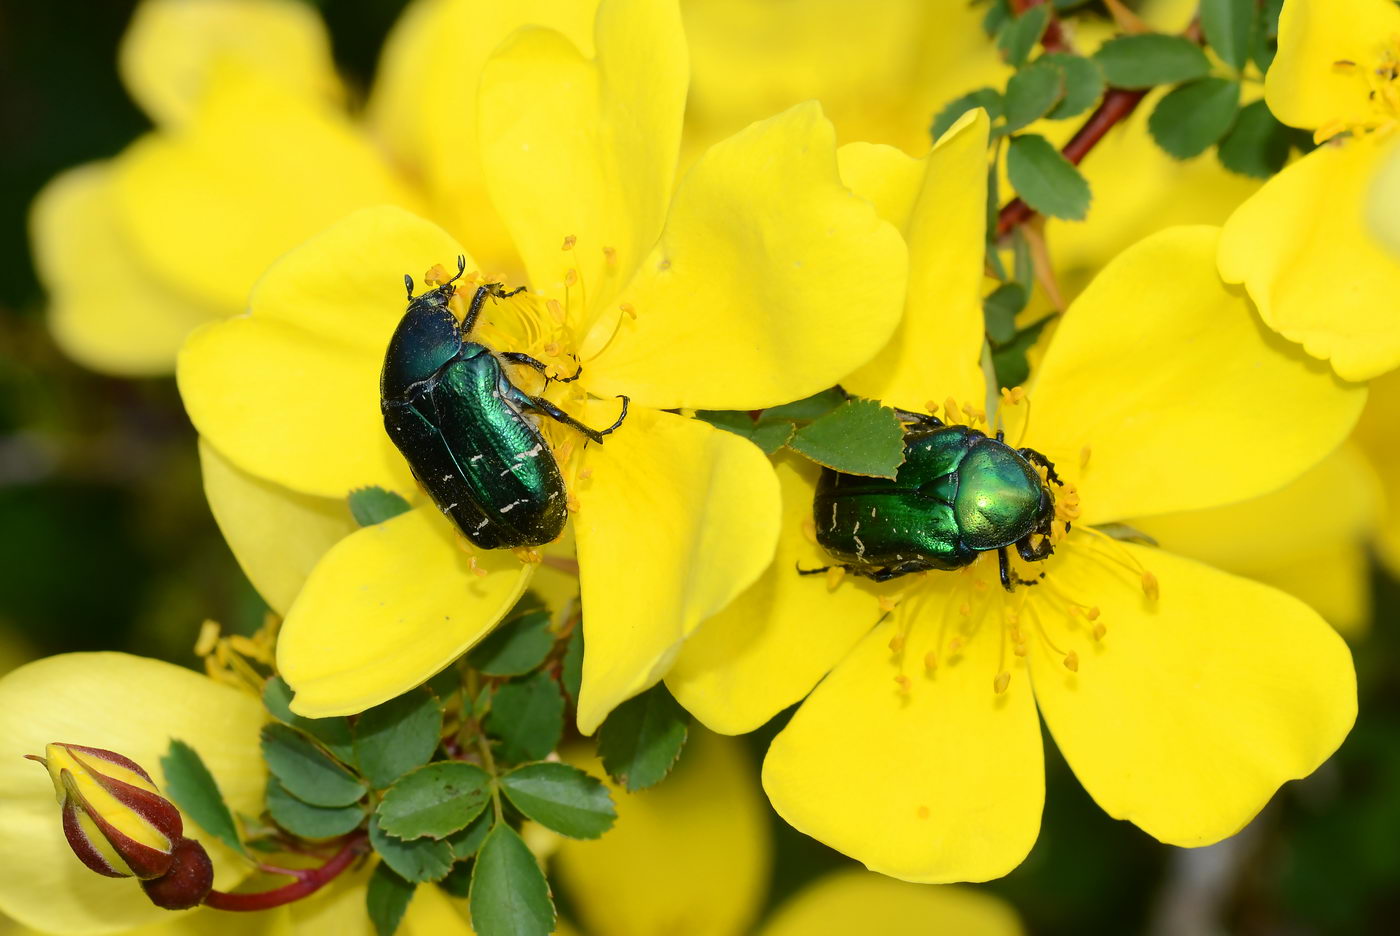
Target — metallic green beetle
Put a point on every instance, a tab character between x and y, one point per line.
468	433
958	494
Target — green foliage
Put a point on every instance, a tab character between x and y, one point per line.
310	822
1195	115
808	408
387	899
393	738
514	647
1009	361
435	800
509	895
1018	36
371	505
190	786
332	733
1031	94
308	772
1083	80
642	738
989	99
1229	26
421	860
466	841
1047	181
1151	59
458	882
858	437
527	716
769	435
1000	308
562	798
1257	145
571	668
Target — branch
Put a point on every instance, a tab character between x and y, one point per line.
307	882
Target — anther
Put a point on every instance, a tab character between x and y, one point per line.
931	407
902	682
922	812
628	310
809	530
1019	648
834	575
1013	396
208	637
572	504
569	242
585	473
930	661
897	643
950	406
436	275
1001	682
610	256
1099	631
965	609
887	604
477	570
1072	662
954	645
555	310
1149	586
1084	454
570	276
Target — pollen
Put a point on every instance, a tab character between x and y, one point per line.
1099	631
610	257
930	661
208	636
528	555
585	473
572	503
437	275
1072	661
1149	586
902	682
887	604
834	575
1001	682
570	277
897	643
569	242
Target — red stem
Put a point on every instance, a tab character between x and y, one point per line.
307	882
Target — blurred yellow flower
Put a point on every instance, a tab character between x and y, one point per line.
1182	697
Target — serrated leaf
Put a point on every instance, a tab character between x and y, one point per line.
562	798
386	899
1084	83
306	771
999	310
858	437
527	716
806	409
509	895
1031	93
1018	36
1150	59
769	436
1257	145
306	821
466	841
418	860
989	99
642	738
190	786
1045	180
1263	44
435	800
1228	26
333	733
514	647
371	505
571	668
1192	117
393	738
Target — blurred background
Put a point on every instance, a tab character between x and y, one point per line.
106	543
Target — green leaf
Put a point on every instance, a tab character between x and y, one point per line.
571	669
1009	362
769	436
1192	117
393	738
1228	25
310	822
1047	181
1000	309
190	786
509	895
435	800
1151	59
1031	93
1257	145
562	798
642	738
371	505
1019	36
514	647
418	860
386	899
1263	43
305	770
527	716
466	841
858	437
458	882
805	410
333	733
989	99
1083	83
998	12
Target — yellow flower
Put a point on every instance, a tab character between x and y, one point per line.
1376	436
1302	246
1384	212
1182	697
737	288
693	855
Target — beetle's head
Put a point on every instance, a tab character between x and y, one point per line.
428	337
439	296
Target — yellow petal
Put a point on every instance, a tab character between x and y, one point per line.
689	855
1305	538
291	392
1376	436
769	647
133	706
771	281
276	534
424	104
171	47
1303	249
105	310
586	147
1304	86
255	173
677	519
854	901
388	607
941	781
1194	709
936	352
1206	406
1384	210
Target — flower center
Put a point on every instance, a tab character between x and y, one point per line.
1382	77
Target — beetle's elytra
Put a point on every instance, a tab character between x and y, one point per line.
959	493
468	433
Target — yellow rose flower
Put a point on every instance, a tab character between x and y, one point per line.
1182	697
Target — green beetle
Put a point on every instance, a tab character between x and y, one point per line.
958	494
468	433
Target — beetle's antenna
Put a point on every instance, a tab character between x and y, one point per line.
461	268
408	284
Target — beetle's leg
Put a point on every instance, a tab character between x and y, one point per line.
558	415
1034	553
922	419
520	357
817	571
500	293
473	310
1031	455
1009	578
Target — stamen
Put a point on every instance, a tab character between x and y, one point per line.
809	530
436	275
1001	682
902	682
950	406
1099	631
1150	588
476	570
834	575
208	636
930	661
1084	454
610	258
572	503
569	242
1072	662
570	277
556	311
585	473
628	310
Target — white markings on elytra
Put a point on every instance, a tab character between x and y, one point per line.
476	458
481	526
833	518
860	546
511	506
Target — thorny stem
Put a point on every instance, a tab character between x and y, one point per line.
307	882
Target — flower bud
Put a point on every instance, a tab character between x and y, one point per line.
115	820
188	881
